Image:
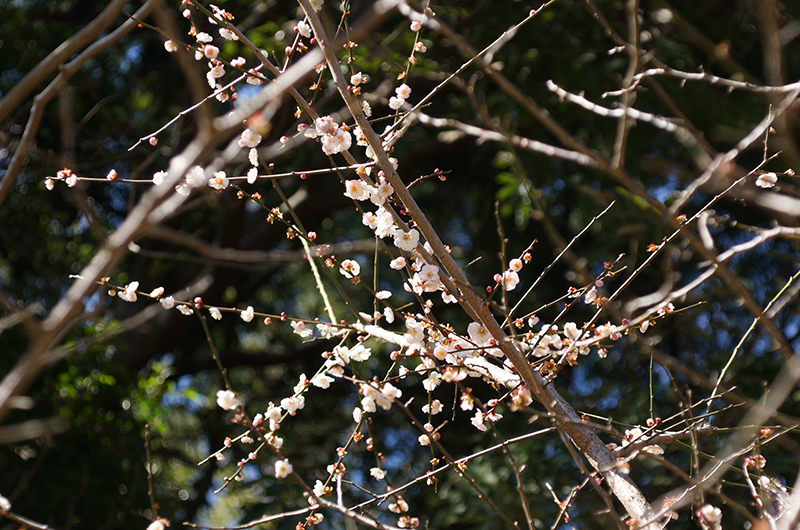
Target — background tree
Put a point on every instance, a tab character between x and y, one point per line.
628	148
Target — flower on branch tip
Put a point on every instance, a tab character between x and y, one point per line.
227	400
767	180
171	46
283	468
416	26
248	314
304	29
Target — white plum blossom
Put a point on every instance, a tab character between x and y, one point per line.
254	77
210	51
381	192
385	226
424	440
301	329
432	381
478	333
395	103
403	91
340	140
319	488
356	190
766	180
195	177
572	331
167	302
227	34
252	175
316	4
227	400
283	468
252	156
248	314
477	421
358	78
219	181
249	139
350	268
415	334
434	408
204	37
591	295
407	241
129	294
510	280
158	177
378	473
635	435
712	515
304	29
383	295
293	404
515	265
183	189
158	524
398	263
170	46
238	62
157	292
429	275
416	26
72	181
359	353
215	313
321	381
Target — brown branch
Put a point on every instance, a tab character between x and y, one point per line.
49	64
43	98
